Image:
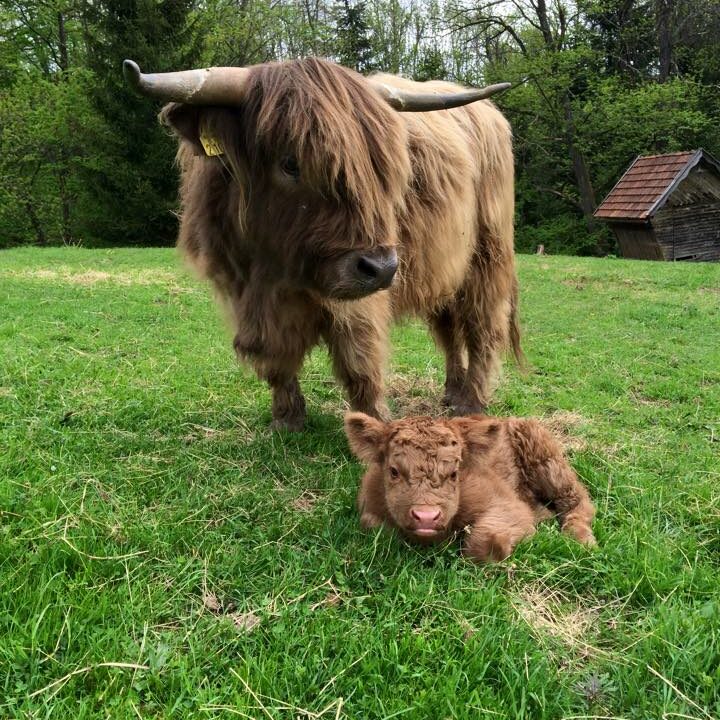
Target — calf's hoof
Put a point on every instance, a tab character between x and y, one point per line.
580	531
491	547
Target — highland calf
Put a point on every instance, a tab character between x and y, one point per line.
494	478
321	209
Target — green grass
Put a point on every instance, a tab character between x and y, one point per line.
148	515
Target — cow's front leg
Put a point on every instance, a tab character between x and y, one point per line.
288	403
358	347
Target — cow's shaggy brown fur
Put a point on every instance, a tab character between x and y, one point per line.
316	166
495	478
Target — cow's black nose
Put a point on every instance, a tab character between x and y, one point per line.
378	270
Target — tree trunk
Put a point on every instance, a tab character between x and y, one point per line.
663	12
63	170
67	237
40	236
580	169
62	43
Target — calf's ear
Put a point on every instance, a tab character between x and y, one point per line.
478	434
366	436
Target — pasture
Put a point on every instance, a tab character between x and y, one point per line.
163	554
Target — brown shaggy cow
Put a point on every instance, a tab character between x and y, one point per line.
305	193
494	478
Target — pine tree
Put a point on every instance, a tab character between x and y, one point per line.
353	31
135	189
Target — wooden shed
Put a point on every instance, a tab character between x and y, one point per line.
667	207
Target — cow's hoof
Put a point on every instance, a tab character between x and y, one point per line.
461	409
288	423
451	401
382	413
453	396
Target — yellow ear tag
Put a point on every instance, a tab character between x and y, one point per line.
209	143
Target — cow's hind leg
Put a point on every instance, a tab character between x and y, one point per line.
358	347
485	312
448	333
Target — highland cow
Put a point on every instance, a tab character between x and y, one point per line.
493	478
320	211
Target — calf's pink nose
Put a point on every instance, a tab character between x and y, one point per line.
426	515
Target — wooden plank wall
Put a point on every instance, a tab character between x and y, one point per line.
689	233
637	241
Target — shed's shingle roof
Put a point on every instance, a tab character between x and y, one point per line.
645	184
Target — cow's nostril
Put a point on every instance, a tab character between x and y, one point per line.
377	271
367	266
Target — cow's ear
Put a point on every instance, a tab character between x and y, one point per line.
210	130
183	120
478	433
366	436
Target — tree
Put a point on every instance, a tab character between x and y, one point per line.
353	48
547	48
135	189
44	119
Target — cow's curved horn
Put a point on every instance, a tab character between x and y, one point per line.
207	86
404	101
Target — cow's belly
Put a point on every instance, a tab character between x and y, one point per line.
434	266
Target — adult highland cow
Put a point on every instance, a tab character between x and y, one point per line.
320	211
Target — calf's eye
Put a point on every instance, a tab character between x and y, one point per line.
394	473
453	475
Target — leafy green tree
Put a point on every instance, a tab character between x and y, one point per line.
44	126
431	65
43	109
391	23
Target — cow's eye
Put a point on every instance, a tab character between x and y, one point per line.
289	165
453	475
394	473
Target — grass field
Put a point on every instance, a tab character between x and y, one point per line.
164	555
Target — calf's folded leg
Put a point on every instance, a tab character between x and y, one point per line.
370	501
548	478
494	534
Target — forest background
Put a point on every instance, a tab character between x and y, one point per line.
596	83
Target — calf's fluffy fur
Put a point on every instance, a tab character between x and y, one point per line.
494	478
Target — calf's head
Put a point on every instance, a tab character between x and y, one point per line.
419	460
314	156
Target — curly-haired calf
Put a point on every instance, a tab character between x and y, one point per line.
495	478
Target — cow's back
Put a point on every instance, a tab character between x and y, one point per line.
461	201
